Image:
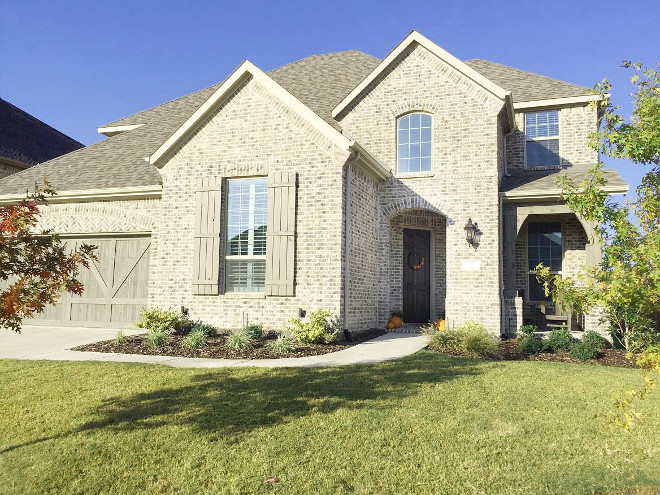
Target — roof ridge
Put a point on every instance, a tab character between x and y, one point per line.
321	55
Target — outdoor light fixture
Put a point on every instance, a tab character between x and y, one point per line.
472	233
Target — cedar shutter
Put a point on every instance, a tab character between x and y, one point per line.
280	234
206	255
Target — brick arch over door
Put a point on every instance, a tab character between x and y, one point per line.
415	203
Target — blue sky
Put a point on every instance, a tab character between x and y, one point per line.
79	64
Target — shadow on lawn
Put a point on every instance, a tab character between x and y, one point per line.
226	403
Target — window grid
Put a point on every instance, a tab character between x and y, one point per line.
542	138
544	245
414	138
245	259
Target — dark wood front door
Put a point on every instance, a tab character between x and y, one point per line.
416	275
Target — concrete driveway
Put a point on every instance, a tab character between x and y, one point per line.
54	343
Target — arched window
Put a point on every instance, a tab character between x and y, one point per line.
414	143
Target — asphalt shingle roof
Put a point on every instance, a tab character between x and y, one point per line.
28	140
522	181
319	81
526	86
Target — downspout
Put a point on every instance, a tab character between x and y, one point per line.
355	155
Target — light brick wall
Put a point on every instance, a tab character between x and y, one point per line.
135	215
463	182
253	133
575	124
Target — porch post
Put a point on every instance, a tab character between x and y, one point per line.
510	234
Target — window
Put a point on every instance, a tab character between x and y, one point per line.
245	254
542	135
544	245
414	143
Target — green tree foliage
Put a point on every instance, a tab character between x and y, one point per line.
36	268
626	284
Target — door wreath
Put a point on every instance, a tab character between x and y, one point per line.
415	260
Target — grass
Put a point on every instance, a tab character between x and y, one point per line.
425	424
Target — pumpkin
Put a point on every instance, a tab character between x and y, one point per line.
440	325
395	322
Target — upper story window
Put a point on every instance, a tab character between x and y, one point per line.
542	135
414	143
245	255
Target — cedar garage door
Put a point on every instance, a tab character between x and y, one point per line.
115	284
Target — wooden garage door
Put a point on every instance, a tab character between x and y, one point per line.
115	284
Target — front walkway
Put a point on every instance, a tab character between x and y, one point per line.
53	343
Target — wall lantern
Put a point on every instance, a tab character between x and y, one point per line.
472	233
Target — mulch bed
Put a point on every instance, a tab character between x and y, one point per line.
607	357
217	349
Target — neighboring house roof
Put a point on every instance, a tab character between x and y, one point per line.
27	140
527	86
320	82
533	183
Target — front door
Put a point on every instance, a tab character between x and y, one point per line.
416	275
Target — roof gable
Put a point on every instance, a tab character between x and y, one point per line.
416	38
248	69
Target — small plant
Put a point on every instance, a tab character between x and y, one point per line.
120	338
195	339
471	339
429	329
163	320
315	331
157	338
584	351
239	340
207	329
281	345
595	339
397	313
528	329
558	340
256	330
530	345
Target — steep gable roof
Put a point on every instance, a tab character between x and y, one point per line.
526	86
26	139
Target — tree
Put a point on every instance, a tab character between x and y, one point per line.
626	284
36	268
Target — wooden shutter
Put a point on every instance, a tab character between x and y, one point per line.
280	236
206	255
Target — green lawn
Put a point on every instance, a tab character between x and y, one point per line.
425	424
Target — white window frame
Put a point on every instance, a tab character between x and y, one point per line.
244	257
421	173
545	138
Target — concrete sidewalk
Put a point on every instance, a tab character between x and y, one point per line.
54	343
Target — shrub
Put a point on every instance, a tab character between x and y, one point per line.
449	341
120	338
584	351
207	329
528	329
315	331
195	339
558	340
163	320
157	338
429	329
239	340
595	339
281	345
256	330
471	339
530	345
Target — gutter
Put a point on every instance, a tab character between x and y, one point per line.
371	164
553	195
110	194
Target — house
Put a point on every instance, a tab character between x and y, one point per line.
26	141
339	181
